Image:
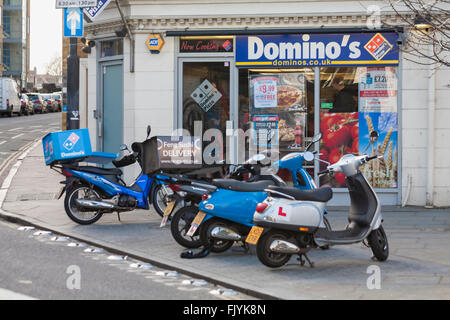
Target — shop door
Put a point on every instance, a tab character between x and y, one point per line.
206	98
111	119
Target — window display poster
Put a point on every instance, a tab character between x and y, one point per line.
340	136
378	136
265	92
265	130
377	89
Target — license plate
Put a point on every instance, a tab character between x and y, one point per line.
60	193
254	235
167	213
196	223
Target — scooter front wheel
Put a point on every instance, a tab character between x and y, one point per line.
378	242
268	257
218	245
180	225
72	210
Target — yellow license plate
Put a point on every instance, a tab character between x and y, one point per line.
167	213
196	223
254	235
169	208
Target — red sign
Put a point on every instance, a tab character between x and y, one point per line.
206	45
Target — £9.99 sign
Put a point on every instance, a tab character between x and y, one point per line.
265	92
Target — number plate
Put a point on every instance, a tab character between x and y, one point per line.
254	235
61	192
196	223
167	213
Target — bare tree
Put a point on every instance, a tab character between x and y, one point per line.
54	67
428	29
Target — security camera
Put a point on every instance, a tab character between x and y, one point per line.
86	50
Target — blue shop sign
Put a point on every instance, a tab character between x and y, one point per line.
309	50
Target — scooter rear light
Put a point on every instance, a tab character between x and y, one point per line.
261	207
175	187
67	173
205	196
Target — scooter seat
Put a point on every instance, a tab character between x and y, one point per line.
97	170
320	195
242	186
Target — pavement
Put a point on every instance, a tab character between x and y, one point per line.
418	266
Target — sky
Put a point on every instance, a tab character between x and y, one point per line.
46	33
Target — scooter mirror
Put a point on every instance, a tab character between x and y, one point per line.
123	147
308	156
317	137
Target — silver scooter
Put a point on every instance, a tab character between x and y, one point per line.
290	221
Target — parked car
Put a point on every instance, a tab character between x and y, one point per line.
52	105
58	98
27	107
40	106
9	97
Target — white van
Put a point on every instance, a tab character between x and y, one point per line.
9	97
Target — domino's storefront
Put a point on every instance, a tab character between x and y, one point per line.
288	85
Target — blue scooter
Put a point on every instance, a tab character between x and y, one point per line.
226	213
92	191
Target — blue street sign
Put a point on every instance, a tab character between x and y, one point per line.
73	23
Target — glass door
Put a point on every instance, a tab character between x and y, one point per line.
206	100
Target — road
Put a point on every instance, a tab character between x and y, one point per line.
17	131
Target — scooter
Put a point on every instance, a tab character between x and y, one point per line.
290	221
226	215
92	191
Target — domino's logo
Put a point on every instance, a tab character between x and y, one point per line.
71	141
378	46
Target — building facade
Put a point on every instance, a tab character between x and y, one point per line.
16	39
288	68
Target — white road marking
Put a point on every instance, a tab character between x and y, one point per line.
15	129
2	142
19	135
11	295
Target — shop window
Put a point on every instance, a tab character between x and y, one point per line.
358	114
281	103
111	48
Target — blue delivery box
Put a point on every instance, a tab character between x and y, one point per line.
66	145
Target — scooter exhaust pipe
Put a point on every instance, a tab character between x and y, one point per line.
282	246
225	234
96	205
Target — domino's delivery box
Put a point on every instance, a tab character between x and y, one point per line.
171	154
62	146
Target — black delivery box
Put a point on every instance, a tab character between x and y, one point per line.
171	154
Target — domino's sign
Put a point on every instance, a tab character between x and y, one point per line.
301	50
93	12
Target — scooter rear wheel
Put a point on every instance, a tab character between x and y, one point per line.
219	245
81	217
180	225
268	257
378	242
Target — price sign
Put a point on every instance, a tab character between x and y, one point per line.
265	92
62	4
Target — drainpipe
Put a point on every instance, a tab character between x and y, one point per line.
132	42
430	133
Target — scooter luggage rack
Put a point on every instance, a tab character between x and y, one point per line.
270	192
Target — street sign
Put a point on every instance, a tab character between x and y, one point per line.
93	12
73	23
62	4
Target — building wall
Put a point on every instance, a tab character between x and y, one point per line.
149	92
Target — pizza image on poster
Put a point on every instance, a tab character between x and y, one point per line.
378	135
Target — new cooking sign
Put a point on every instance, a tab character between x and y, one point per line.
300	50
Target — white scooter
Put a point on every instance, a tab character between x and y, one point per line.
290	221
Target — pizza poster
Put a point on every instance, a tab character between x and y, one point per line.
265	92
377	89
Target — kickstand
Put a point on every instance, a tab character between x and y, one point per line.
118	216
244	246
190	254
302	261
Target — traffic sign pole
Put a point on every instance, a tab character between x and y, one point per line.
73	86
